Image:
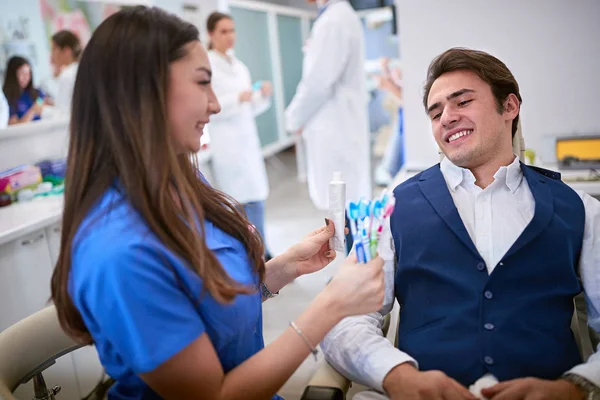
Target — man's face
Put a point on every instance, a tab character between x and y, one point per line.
465	120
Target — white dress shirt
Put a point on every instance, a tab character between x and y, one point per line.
494	217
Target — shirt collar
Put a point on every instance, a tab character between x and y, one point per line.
510	175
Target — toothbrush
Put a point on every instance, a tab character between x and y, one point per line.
364	211
353	216
377	213
387	212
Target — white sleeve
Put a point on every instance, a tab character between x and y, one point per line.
331	48
589	268
356	346
4	111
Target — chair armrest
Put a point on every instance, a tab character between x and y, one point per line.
326	384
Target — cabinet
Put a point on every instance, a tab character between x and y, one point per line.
25	271
53	233
26	266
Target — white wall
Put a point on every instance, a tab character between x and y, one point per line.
551	47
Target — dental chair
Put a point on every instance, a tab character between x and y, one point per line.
328	384
30	347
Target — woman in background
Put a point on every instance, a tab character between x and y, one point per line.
237	159
159	270
25	102
64	57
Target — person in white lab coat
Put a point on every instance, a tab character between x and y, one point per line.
64	57
237	159
330	105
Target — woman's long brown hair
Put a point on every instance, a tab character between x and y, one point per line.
119	131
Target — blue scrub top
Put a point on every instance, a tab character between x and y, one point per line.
142	303
23	104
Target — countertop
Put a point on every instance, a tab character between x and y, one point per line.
20	219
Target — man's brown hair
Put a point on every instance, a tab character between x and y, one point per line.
485	66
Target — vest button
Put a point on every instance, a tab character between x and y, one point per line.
488	360
488	295
489	326
481	266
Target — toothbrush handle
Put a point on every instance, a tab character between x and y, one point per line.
360	252
373	247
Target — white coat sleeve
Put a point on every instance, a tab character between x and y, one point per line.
356	346
589	267
4	111
330	47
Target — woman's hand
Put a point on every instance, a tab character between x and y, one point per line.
309	255
313	252
246	96
357	289
266	89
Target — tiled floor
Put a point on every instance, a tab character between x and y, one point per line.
290	216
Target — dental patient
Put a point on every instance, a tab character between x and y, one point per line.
487	255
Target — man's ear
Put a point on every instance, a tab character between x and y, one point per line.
511	107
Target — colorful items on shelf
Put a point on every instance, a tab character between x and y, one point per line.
19	178
25	182
53	168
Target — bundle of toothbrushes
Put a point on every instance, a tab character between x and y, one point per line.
367	219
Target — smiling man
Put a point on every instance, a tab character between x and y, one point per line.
489	255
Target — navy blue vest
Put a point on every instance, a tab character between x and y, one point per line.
456	318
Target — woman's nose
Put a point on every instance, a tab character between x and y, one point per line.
213	104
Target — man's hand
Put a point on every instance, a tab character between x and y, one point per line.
405	382
534	389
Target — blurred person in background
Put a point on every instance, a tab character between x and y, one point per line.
330	108
390	81
237	159
64	57
25	102
4	111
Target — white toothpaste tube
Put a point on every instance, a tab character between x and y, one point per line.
337	212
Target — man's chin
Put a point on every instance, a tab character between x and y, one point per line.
460	160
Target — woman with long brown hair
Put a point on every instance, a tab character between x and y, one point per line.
157	269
